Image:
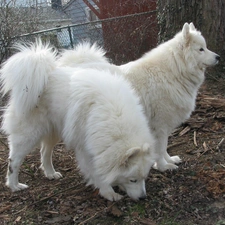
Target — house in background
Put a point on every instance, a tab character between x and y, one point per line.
79	11
125	28
51	18
128	38
132	32
83	17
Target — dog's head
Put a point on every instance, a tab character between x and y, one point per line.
195	49
134	169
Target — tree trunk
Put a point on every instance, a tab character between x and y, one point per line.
207	16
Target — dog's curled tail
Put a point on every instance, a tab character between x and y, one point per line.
26	73
83	53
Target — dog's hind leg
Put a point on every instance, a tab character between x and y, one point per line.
46	156
19	146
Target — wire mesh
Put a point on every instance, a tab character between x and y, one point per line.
124	38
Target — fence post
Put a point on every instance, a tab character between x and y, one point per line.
70	35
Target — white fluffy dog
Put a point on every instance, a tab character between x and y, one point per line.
95	113
167	80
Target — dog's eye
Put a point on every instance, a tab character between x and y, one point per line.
133	181
201	49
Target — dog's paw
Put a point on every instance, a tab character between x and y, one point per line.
17	187
167	166
175	159
111	196
117	197
54	176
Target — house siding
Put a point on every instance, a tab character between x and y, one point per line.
75	9
130	37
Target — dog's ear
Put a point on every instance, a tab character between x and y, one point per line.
186	30
186	33
129	154
192	27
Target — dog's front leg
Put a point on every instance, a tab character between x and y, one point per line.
164	161
107	192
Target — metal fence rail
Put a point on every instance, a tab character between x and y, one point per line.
68	36
124	38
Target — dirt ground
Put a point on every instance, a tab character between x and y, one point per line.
193	194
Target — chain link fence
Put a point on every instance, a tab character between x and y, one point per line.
124	38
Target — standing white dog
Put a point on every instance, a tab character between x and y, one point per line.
94	112
167	79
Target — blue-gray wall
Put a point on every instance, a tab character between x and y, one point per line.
75	9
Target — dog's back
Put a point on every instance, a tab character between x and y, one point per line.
98	101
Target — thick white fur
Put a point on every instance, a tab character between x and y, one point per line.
86	55
82	53
95	113
167	79
16	71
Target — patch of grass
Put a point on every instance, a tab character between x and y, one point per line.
221	222
108	221
169	222
138	208
28	222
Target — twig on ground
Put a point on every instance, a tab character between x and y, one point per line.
195	140
184	131
220	143
90	218
46	198
175	144
205	147
5	208
4	144
222	165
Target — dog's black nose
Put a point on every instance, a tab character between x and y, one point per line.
218	57
142	197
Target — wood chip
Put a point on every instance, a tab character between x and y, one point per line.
18	219
176	144
220	143
5	208
184	131
195	141
206	148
